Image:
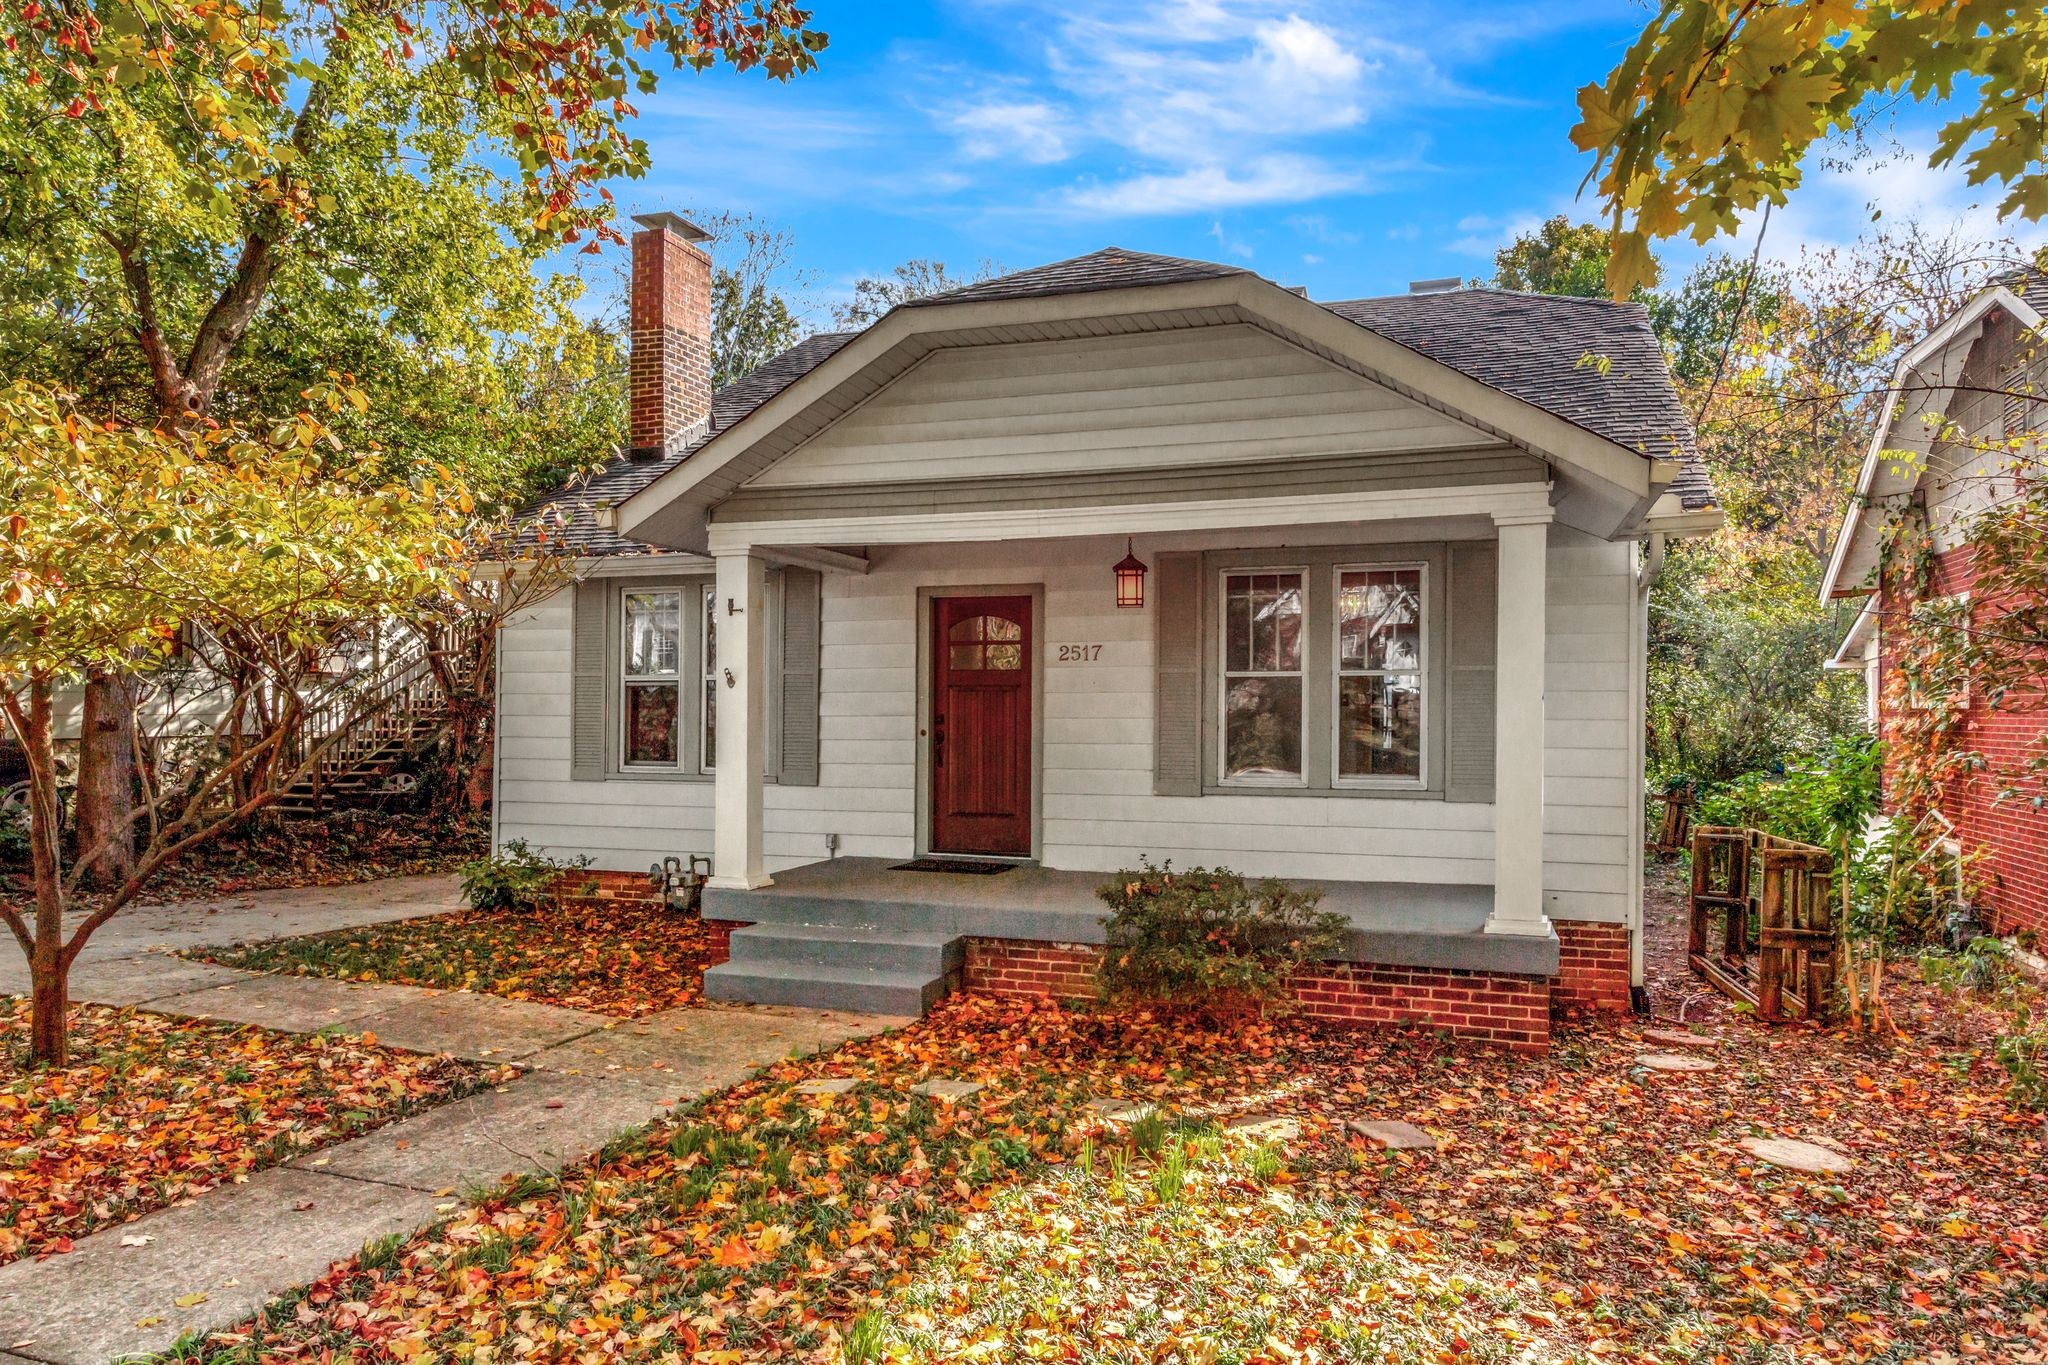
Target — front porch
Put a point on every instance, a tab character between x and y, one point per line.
863	933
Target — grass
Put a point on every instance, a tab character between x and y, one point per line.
153	1110
627	962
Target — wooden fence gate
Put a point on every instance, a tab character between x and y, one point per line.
1774	944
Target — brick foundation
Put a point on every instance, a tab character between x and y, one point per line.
1592	966
1511	1011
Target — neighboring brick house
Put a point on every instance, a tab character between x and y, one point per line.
1955	431
919	630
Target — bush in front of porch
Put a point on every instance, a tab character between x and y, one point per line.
1207	940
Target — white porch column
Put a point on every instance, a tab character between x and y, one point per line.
742	753
1518	727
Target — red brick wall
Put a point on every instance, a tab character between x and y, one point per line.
2011	835
670	362
1593	966
1513	1011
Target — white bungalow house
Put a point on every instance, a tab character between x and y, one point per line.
920	629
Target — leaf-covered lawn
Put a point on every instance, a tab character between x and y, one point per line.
1579	1208
627	961
153	1110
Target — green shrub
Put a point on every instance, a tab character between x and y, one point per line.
514	878
1205	939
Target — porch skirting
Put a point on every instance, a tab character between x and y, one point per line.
1493	1007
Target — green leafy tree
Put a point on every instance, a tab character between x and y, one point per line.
1560	257
874	295
269	544
206	205
1714	108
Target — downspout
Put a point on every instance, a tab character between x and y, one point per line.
1648	571
497	726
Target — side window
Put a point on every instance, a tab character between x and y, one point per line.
651	638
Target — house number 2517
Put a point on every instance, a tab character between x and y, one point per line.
1080	654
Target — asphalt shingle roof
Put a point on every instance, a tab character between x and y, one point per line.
1542	348
1537	347
1110	268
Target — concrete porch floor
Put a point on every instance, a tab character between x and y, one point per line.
1397	924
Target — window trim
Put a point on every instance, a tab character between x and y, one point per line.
1318	759
627	680
1426	719
1222	674
707	680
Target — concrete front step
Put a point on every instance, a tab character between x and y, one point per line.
846	946
851	989
837	966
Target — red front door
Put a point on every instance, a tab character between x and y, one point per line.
981	725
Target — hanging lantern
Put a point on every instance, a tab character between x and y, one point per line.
1130	579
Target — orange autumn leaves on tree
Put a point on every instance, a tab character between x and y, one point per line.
265	545
1713	109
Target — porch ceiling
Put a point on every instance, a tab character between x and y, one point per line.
1399	924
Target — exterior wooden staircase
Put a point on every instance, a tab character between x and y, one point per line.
374	726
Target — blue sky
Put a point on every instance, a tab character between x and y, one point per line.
1350	147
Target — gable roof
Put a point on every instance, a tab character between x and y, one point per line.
1921	384
1110	268
1528	346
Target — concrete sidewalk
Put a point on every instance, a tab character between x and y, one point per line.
211	1262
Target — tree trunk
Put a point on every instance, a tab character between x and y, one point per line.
49	1010
47	969
105	804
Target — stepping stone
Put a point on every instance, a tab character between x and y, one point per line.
946	1090
1393	1135
1671	1061
1678	1038
1793	1155
1113	1109
1266	1127
837	1085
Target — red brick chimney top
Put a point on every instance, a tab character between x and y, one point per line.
670	364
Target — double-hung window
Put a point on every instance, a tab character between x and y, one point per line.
651	636
1379	663
1322	671
1263	678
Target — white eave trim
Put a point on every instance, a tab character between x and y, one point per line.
1855	524
1385	361
1855	645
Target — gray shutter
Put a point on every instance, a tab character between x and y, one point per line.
587	690
1177	676
1474	594
801	632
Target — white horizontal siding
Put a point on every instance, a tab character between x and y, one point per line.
1200	396
1097	808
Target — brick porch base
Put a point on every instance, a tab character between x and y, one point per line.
1511	1011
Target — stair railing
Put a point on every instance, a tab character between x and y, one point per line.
340	723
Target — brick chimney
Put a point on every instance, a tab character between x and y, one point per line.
671	316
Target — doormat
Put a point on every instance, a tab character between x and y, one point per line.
971	867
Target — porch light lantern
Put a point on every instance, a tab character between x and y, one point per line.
1130	579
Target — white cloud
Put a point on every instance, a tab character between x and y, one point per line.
1027	130
1318	227
1236	246
1197	106
1270	180
1486	233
